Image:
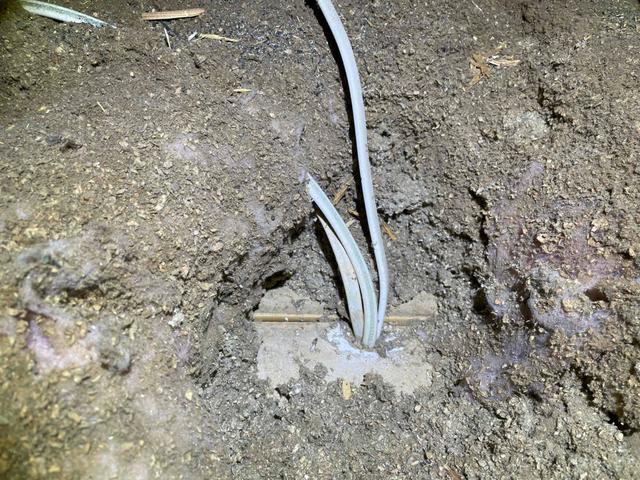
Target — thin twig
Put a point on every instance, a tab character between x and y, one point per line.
293	317
342	191
390	233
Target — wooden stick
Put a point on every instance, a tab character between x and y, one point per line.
173	14
319	317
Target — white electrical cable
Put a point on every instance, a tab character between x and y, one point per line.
349	280
355	256
360	128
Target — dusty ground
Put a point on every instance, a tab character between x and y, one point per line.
147	204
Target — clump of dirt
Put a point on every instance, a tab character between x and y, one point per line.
151	195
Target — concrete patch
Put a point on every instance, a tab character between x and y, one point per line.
287	346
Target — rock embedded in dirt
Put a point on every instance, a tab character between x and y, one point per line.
523	127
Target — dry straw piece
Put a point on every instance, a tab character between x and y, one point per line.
213	36
173	14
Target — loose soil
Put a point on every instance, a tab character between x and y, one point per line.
150	196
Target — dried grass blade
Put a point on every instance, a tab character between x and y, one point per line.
213	36
173	14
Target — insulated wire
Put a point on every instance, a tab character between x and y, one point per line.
349	280
360	128
355	256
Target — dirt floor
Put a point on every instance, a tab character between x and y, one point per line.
150	196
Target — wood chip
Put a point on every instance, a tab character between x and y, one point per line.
483	71
346	390
173	14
